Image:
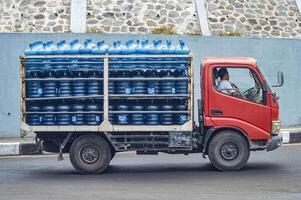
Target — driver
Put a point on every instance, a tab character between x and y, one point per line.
224	84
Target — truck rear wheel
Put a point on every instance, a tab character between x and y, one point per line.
90	154
228	151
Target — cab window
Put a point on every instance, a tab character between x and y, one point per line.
238	82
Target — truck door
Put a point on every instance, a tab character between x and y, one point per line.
236	98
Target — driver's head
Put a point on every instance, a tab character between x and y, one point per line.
223	74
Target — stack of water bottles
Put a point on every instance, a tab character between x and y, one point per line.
67	89
149	112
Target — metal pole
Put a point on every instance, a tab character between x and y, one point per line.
202	15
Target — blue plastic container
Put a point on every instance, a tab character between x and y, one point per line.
167	86
64	88
74	47
115	49
93	118
139	86
182	48
33	119
137	118
87	47
123	87
181	85
49	89
48	119
152	118
122	118
34	48
181	118
100	48
63	119
167	118
60	49
94	87
153	86
78	119
47	49
142	47
34	89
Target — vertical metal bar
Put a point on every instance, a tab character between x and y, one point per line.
23	90
191	90
106	88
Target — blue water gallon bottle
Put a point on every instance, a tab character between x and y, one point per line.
137	118
87	47
61	48
122	118
34	89
93	118
169	48
182	117
49	87
115	49
181	85
152	118
48	118
143	47
167	118
64	87
63	119
182	48
123	86
94	87
33	48
78	118
139	86
33	119
153	86
78	86
47	48
100	48
167	86
74	47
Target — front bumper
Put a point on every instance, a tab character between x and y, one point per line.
274	142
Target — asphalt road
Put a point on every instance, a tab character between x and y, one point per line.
272	175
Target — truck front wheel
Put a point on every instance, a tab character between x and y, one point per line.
228	151
90	154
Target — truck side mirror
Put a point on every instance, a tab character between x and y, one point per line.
280	79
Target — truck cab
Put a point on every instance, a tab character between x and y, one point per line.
237	104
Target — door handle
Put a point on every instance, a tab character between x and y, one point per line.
216	112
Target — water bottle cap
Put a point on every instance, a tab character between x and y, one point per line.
100	43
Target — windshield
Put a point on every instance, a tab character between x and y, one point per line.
265	81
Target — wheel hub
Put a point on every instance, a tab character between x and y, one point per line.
90	154
229	151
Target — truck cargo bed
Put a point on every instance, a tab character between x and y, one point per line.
106	98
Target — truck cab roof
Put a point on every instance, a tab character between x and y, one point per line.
229	60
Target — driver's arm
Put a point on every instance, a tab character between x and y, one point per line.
225	87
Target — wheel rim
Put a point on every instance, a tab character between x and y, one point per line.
229	151
89	154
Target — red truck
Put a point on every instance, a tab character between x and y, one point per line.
237	113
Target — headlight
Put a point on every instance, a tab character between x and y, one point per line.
275	127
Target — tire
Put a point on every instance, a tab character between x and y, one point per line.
90	154
228	151
113	153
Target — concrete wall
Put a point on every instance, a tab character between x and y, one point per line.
272	55
265	18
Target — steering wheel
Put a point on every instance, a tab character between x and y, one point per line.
252	93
